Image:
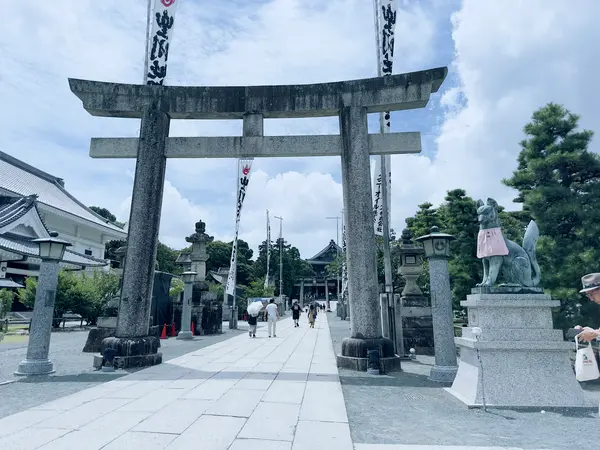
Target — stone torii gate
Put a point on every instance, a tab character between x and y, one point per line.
157	105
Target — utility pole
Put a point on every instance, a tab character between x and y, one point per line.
337	253
280	258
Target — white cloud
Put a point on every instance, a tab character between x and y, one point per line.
511	57
263	42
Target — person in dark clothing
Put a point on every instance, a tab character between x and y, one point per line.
296	313
252	325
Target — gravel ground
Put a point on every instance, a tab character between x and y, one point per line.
74	371
405	408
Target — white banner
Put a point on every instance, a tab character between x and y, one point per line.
268	250
377	193
160	37
344	266
244	168
385	20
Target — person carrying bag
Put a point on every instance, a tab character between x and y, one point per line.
586	366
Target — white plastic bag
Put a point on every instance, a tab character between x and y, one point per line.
254	308
586	368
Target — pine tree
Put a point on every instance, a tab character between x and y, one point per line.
558	183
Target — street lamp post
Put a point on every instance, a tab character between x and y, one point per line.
280	258
437	251
51	251
186	311
337	252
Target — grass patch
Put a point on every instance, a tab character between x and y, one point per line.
13	339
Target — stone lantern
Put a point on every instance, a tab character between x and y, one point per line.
414	328
436	244
411	264
51	252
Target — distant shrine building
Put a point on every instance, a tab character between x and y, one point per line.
32	203
321	286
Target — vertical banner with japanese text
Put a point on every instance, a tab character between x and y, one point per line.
161	34
344	265
244	168
385	19
268	243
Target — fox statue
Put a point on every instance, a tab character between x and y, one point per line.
518	264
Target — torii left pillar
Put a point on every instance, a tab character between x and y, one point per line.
134	345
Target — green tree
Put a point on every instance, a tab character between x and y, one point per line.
76	293
459	216
257	289
420	225
293	266
6	301
177	286
166	258
103	212
96	290
558	182
219	253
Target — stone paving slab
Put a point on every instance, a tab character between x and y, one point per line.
241	393
405	408
426	447
74	371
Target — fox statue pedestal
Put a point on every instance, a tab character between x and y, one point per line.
520	361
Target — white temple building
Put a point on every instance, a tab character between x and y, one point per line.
32	203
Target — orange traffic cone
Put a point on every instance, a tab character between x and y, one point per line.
173	330
192	329
163	335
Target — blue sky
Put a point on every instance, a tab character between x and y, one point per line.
505	60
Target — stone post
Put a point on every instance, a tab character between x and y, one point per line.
134	347
437	251
37	362
363	291
186	312
302	292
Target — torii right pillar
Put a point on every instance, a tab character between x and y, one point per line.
361	257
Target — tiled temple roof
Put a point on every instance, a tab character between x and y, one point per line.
21	179
25	247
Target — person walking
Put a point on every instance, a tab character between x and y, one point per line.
296	313
312	315
252	322
272	315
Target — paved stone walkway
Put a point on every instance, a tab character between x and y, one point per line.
282	393
242	393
